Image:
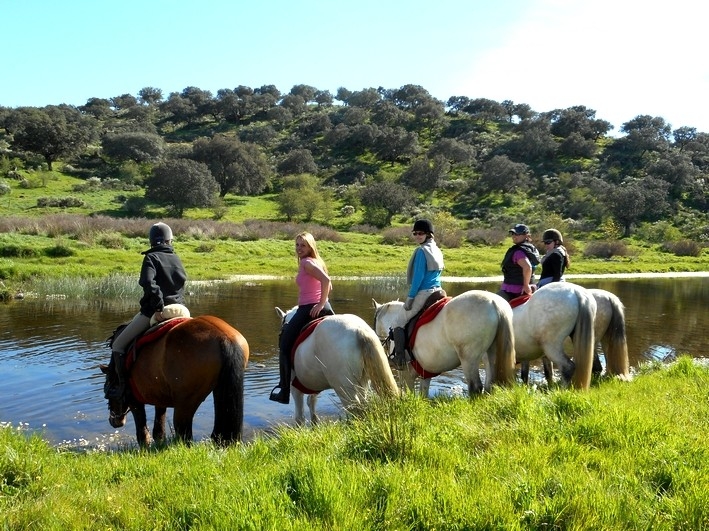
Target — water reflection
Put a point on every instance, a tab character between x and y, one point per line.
50	349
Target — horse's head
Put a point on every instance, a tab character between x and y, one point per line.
117	407
285	317
385	316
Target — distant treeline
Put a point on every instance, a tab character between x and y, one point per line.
381	152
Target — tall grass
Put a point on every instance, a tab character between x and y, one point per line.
620	456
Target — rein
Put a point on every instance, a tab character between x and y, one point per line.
112	415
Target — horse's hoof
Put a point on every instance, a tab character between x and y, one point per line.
279	395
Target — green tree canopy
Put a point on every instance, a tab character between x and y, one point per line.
135	146
181	184
238	167
54	132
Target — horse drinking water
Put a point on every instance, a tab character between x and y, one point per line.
609	330
473	328
340	352
177	366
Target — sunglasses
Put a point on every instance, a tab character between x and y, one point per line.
418	233
547	242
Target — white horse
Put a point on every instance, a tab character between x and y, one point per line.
474	327
609	330
344	354
542	324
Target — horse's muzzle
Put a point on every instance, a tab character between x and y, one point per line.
117	420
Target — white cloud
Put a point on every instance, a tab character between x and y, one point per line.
620	58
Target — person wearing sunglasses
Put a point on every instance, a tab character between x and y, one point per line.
518	264
556	259
423	276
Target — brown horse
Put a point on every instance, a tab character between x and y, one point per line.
179	369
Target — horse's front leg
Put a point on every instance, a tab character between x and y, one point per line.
424	386
407	378
312	403
299	409
182	419
159	424
141	425
472	374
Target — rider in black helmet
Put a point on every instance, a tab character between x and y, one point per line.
423	276
556	259
162	277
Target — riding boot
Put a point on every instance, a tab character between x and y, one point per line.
120	388
281	393
399	336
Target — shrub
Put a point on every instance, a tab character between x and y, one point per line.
64	202
364	229
606	249
4	188
205	247
110	241
28	183
396	236
135	206
483	236
59	251
660	231
683	248
16	251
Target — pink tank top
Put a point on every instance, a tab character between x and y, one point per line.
309	289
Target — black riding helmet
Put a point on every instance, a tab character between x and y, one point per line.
160	233
552	234
423	225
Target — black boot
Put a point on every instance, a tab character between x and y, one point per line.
281	393
399	336
120	388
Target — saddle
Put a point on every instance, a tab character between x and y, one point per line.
304	334
413	323
435	302
153	333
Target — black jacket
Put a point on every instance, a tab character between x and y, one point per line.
162	278
512	272
553	265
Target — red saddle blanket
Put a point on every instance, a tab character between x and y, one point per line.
426	317
519	301
304	334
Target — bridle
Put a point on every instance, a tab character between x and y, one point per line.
385	341
112	415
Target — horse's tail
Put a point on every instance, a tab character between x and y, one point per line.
505	356
229	392
583	340
376	364
614	341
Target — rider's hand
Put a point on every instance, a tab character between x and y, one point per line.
409	303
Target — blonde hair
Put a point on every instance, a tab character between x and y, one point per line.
314	254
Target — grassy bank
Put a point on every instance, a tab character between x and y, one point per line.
621	456
31	259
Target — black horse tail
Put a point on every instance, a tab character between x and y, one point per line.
229	393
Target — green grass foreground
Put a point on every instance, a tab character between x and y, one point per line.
620	456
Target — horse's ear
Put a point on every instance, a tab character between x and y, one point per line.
376	304
281	314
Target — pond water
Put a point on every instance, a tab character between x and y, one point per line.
50	349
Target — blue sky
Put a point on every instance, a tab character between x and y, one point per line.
621	58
